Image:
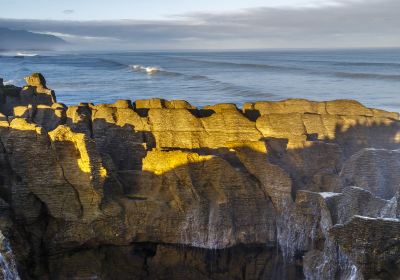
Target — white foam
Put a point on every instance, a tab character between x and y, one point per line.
148	69
377	219
26	54
9	82
389	211
328	194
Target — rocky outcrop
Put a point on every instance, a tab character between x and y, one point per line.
24	101
159	189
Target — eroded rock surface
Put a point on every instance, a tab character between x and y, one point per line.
159	189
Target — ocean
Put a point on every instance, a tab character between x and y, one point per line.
202	78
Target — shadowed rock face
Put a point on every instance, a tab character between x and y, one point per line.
162	190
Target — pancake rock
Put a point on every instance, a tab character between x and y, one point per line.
159	189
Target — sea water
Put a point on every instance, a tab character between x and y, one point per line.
371	76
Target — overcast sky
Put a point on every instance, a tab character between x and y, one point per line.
209	24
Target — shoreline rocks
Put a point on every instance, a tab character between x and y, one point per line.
91	182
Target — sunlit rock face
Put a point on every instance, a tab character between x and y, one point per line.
159	189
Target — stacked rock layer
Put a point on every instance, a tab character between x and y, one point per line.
159	189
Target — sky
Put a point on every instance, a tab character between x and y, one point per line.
209	24
139	10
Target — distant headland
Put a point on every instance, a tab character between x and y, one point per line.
22	40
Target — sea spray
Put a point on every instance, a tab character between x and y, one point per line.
8	267
390	210
202	228
302	227
295	232
348	270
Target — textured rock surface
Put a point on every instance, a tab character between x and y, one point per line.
159	189
377	239
374	170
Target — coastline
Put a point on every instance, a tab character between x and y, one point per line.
163	189
371	77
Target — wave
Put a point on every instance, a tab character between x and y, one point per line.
388	64
113	62
367	76
237	64
231	88
150	70
153	70
215	84
347	63
23	54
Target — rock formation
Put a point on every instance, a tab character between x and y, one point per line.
159	189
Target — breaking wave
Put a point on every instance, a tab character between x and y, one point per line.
26	54
150	70
213	83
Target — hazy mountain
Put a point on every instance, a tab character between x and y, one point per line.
25	40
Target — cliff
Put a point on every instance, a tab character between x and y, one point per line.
159	189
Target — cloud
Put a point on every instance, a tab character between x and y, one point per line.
68	12
342	23
79	39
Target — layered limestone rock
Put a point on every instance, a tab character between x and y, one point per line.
377	239
33	94
160	188
36	86
376	170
